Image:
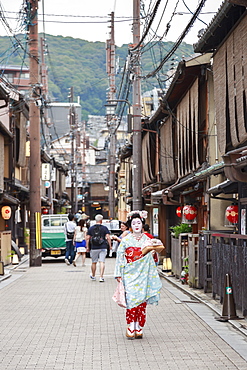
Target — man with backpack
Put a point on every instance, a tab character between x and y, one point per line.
99	236
69	230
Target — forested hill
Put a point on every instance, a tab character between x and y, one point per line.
82	64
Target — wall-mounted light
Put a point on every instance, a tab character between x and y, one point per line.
6	212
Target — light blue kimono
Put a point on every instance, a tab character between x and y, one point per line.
140	278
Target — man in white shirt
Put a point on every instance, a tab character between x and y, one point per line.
69	230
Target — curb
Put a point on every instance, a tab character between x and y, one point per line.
9	268
237	324
5	276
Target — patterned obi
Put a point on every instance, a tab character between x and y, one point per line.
133	253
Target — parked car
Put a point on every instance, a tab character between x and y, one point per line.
52	235
112	225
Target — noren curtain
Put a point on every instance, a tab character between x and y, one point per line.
167	152
230	89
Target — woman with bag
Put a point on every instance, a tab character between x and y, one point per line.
137	271
80	242
117	239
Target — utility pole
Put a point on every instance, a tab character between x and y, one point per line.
111	118
72	128
34	131
77	156
137	134
83	166
44	116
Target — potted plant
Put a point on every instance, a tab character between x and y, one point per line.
181	228
185	271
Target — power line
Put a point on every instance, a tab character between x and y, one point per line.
178	42
73	15
148	26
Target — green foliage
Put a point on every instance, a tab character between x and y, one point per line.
82	64
186	265
26	235
181	228
63	211
11	254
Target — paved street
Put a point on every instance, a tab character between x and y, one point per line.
55	317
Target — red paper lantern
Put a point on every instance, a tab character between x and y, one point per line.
232	214
189	212
6	212
179	212
45	211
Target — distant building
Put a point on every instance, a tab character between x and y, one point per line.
58	118
151	101
18	77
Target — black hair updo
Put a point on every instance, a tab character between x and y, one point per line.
135	215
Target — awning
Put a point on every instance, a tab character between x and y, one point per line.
45	201
226	187
8	199
5	132
21	187
200	175
65	195
156	197
162	197
235	161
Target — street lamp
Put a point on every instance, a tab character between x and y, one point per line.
110	109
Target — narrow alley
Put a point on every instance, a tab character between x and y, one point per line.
55	317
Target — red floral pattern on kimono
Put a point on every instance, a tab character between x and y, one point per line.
138	313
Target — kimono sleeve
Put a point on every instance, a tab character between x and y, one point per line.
120	260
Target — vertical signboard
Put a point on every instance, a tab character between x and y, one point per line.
155	222
45	172
243	221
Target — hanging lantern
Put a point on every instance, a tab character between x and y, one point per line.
45	211
6	212
179	211
190	212
232	214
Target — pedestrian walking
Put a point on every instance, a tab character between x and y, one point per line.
146	230
124	231
138	274
117	239
98	239
78	216
69	229
80	241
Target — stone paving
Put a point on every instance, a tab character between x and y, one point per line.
55	317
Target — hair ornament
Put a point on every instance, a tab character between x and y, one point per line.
143	214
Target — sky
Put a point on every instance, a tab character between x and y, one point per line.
91	18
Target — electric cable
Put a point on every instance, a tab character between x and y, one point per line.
148	26
178	42
168	26
186	6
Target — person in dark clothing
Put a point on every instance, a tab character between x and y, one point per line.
69	229
99	236
146	230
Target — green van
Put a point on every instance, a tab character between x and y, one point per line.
52	235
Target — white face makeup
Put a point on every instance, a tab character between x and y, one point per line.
136	225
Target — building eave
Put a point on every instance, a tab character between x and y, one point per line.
227	18
4	131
